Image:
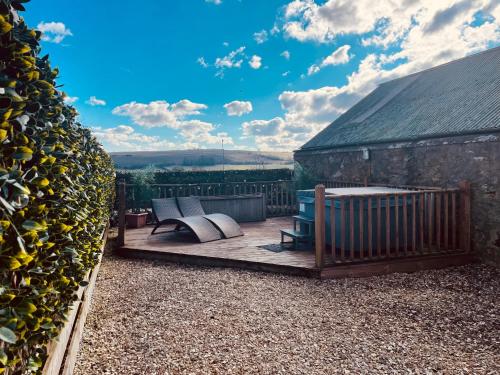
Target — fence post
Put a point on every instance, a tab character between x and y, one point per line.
319	224
465	216
121	213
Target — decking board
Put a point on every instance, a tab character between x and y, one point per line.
244	252
236	251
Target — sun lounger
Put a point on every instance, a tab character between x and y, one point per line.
191	206
165	211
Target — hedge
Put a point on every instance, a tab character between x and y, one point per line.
197	177
56	188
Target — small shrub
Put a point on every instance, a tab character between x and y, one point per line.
143	179
303	178
56	187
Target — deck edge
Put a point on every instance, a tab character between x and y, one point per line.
403	265
206	261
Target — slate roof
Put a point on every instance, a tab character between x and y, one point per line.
457	98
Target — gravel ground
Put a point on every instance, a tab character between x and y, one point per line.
156	318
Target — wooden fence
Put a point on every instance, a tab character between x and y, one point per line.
280	196
421	221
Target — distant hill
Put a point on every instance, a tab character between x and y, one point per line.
200	159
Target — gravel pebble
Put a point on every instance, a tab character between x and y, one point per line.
156	318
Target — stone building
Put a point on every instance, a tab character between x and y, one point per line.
432	128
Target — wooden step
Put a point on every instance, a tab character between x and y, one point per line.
295	234
304	219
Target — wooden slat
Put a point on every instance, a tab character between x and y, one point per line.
446	228
266	195
388	226
351	227
454	220
414	223
379	226
288	208
361	228
421	205
405	223
465	216
319	220
430	223
342	228
282	203
396	223
370	224
333	227
438	220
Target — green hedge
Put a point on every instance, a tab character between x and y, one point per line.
56	185
198	177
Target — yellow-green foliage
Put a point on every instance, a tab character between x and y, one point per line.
56	185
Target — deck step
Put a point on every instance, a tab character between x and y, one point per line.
303	218
295	233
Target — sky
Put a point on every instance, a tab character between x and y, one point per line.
257	74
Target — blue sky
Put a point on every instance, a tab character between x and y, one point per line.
260	74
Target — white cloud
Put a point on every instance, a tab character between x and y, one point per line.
159	113
263	127
233	60
391	21
422	35
186	107
53	32
260	36
70	99
255	62
216	2
238	108
272	134
285	54
125	138
200	132
202	62
284	74
225	44
339	56
93	101
275	30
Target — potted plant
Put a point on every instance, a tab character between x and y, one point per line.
141	181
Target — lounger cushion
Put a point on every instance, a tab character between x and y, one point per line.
225	224
203	229
165	209
190	206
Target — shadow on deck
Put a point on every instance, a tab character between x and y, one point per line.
248	252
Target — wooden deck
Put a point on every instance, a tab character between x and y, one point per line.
246	252
241	252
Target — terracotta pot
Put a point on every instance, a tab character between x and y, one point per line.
136	220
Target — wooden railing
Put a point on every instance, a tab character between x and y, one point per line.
421	221
280	196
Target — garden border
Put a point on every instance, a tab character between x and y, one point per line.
63	350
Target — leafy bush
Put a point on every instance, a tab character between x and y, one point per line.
143	179
56	186
197	177
303	178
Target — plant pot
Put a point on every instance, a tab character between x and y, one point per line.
136	220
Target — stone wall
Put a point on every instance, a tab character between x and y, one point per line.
439	162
